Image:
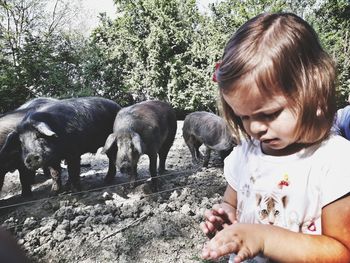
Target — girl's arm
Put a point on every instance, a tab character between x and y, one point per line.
221	215
332	246
230	199
281	245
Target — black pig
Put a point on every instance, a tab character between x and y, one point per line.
10	251
209	129
35	103
148	127
11	160
65	130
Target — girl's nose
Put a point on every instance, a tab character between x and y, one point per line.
257	127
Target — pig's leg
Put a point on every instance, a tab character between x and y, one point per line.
27	179
46	171
163	153
191	145
153	171
206	156
55	172
194	155
133	176
73	165
112	156
198	154
2	178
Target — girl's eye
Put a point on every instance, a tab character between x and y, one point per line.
264	116
272	116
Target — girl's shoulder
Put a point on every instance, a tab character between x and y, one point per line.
334	146
335	149
335	143
244	149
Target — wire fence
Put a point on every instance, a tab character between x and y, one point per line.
110	188
96	189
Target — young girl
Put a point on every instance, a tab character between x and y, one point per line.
288	182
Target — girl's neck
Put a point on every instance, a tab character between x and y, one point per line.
290	149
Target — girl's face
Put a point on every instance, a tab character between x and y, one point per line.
269	119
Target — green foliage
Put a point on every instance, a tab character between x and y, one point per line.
104	67
153	49
51	67
35	59
11	93
158	49
167	50
332	21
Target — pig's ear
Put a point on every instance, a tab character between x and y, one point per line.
110	142
11	143
137	142
43	128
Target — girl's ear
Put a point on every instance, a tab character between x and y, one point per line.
318	112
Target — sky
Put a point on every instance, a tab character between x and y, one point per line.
99	6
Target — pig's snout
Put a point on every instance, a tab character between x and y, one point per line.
125	168
33	161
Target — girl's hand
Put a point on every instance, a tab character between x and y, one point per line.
245	240
216	219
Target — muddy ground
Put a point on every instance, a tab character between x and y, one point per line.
116	223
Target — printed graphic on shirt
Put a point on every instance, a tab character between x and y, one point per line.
309	226
284	182
271	209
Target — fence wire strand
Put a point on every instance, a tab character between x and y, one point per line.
139	197
96	189
185	174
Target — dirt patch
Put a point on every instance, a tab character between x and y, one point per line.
116	223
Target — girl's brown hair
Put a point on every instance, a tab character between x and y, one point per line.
281	53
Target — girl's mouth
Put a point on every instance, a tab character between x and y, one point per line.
270	141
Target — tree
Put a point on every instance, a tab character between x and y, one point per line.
332	21
157	49
39	50
154	49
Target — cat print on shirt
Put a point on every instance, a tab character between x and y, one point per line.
271	209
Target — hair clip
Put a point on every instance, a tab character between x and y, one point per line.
217	65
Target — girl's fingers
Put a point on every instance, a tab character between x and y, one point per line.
210	226
214	218
204	227
205	254
227	216
209	254
227	248
242	255
221	246
231	217
211	213
208	229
